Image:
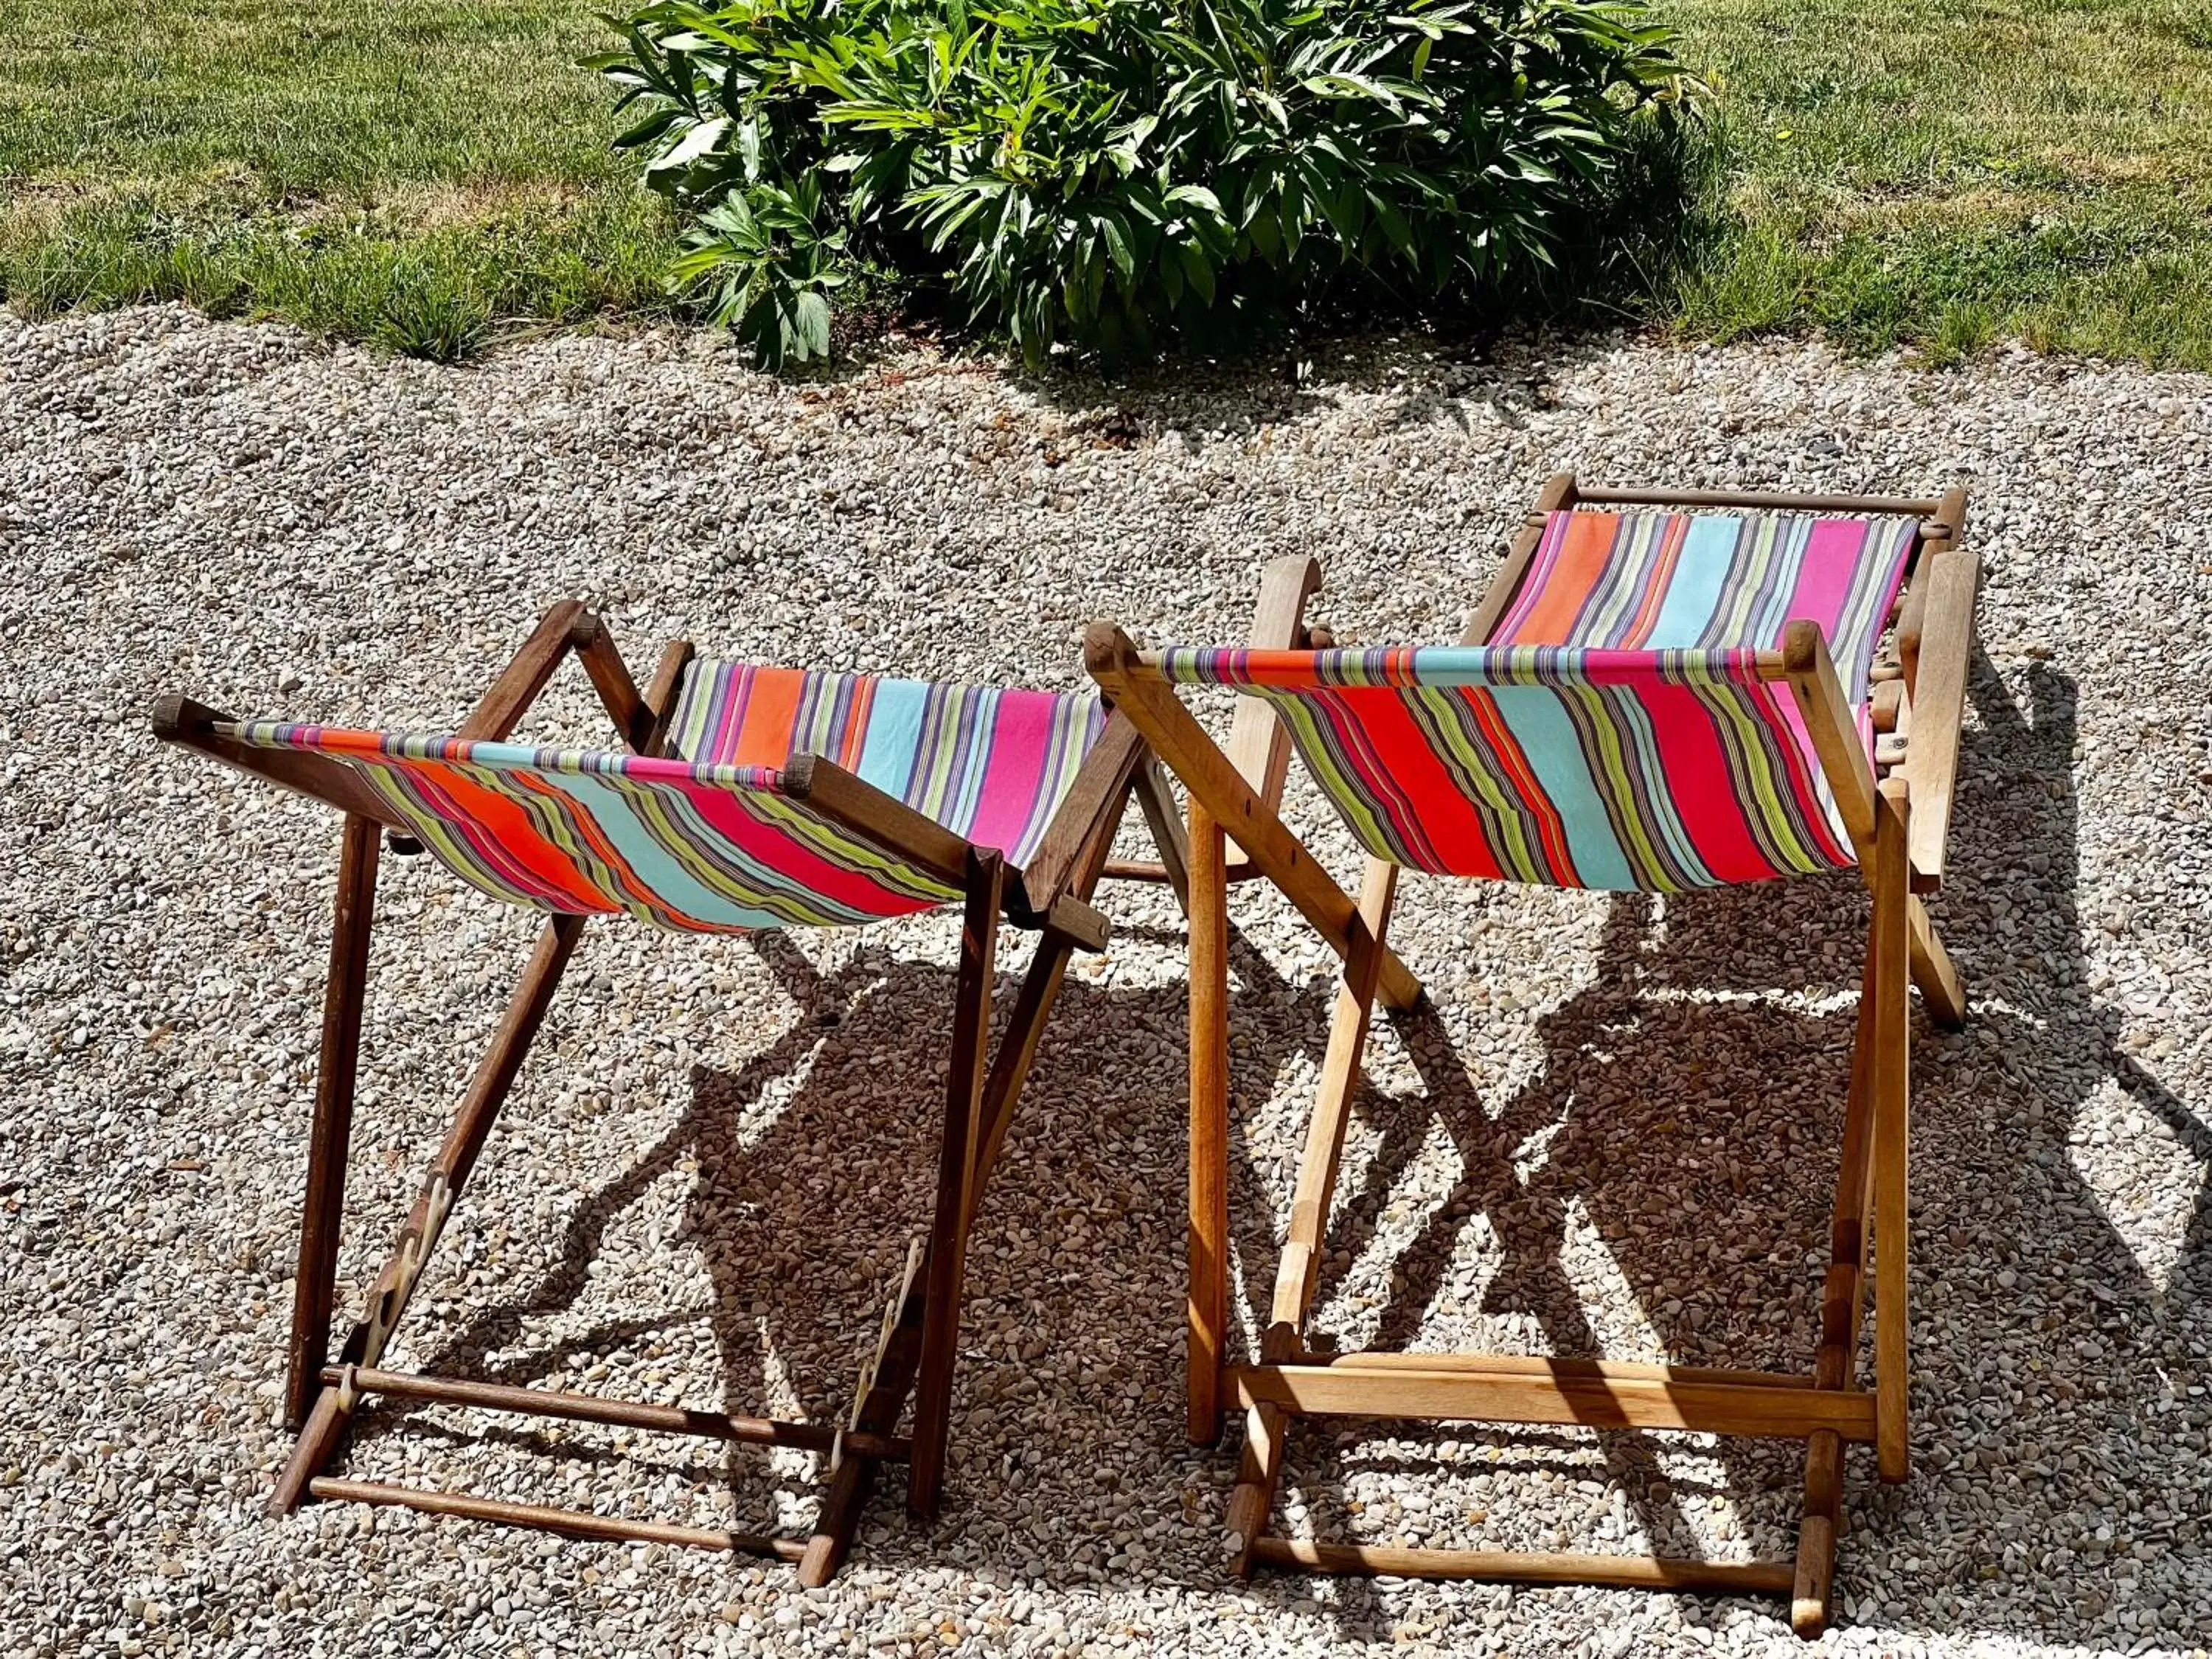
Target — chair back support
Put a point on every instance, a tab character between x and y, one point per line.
987	764
1660	582
695	848
1655	770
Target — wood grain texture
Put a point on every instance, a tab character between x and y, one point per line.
345	991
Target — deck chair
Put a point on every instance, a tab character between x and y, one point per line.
1659	692
745	798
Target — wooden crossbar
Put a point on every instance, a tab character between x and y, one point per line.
572	1523
1773	1408
623	1413
1529	1567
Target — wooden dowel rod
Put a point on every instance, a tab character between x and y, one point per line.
1152	871
1783	500
624	1413
1514	1364
1503	1567
1146	665
575	1523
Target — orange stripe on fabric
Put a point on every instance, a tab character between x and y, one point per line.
1582	554
510	825
1653	598
856	724
771	711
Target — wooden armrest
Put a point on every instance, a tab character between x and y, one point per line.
178	719
1080	818
1954	581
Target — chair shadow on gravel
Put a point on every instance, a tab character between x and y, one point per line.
1073	1315
1691	1142
1695	1142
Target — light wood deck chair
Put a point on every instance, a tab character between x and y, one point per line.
1659	692
746	798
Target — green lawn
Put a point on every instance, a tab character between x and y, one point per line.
403	170
1946	171
422	173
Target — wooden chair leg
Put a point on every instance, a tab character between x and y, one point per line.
1842	1299
1940	986
1167	827
322	1210
1891	974
956	1175
1299	1270
441	1188
1258	1472
855	1477
1207	1318
1267	1427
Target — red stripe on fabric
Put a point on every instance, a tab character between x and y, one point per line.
799	865
1551	828
1396	743
500	829
1584	548
1694	764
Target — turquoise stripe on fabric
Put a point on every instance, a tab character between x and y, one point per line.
894	735
616	814
1695	591
1538	722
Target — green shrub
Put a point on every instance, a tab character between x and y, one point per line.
1111	173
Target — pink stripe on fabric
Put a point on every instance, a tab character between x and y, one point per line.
1824	576
1548	549
1013	777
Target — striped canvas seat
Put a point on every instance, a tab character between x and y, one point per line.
1660	582
987	764
708	841
1619	735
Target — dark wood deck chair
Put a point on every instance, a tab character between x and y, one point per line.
744	797
1659	692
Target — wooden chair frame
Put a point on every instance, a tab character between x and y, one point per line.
1897	811
1050	896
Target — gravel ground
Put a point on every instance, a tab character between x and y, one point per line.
1619	1140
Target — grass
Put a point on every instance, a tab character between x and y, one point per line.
1946	173
422	173
408	172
